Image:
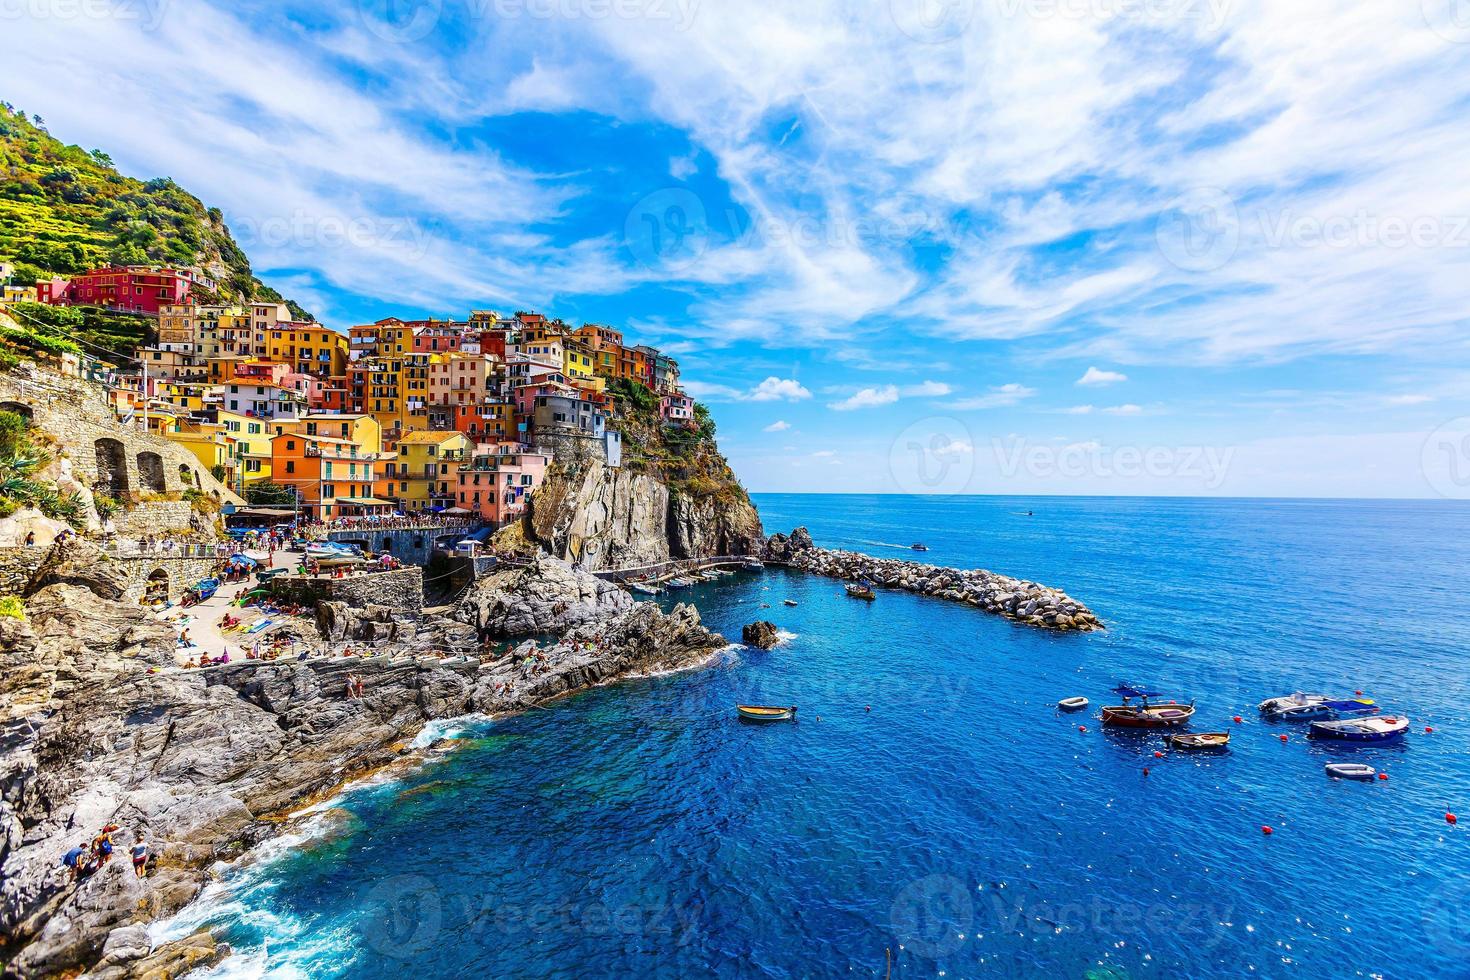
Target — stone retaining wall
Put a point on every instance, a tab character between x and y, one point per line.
401	588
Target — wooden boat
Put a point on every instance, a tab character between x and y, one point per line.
859	591
763	712
1350	770
1167	714
1360	729
1072	704
1200	741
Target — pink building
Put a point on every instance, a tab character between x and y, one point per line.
462	380
499	480
677	409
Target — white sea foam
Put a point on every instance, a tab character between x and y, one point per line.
456	727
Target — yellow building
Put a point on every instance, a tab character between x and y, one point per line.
578	360
308	348
427	469
364	431
211	444
251	445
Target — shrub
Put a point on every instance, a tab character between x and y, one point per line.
12	606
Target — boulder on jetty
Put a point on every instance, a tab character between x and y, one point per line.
759	634
546	596
1019	599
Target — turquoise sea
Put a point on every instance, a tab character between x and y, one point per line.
931	814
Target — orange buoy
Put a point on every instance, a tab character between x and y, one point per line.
1158	755
1282	737
1237	719
1267	831
1082	728
1145	770
1428	729
1383	775
1451	818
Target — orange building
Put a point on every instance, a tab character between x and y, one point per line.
332	477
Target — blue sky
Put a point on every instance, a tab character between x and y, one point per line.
988	246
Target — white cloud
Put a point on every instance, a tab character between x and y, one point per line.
775	389
927	389
778	426
1097	377
772	389
867	398
1078	410
824	454
1124	410
1001	396
1403	400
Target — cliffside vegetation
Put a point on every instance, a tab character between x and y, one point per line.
64	210
687	459
22	459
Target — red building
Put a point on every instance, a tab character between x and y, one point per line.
137	288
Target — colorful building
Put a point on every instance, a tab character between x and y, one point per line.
332	477
144	289
499	481
427	469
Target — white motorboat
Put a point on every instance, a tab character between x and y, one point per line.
1350	770
1072	704
1376	729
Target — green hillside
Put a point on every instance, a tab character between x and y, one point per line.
64	210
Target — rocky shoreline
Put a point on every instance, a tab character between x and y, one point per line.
201	764
1023	601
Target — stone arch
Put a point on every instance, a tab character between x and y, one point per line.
187	476
19	408
112	466
157	587
150	472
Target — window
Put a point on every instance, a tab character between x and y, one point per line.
290	466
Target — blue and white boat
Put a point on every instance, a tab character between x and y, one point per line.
1382	729
1311	707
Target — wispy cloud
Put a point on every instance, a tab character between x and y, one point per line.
772	389
1001	396
780	425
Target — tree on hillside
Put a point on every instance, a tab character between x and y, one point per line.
269	494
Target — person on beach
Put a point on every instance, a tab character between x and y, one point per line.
140	859
30	539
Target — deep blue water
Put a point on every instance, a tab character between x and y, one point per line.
961	823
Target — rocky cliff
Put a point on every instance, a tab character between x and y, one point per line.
614	518
200	764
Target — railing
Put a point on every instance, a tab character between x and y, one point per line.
671	568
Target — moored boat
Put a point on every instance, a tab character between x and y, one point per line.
788	602
644	589
1200	741
861	590
1272	706
754	566
678	583
1377	729
762	712
1168	714
1072	704
1350	770
1311	707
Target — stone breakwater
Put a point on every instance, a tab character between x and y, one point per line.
202	764
1024	601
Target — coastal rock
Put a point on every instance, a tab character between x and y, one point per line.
759	634
546	596
1018	599
201	763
